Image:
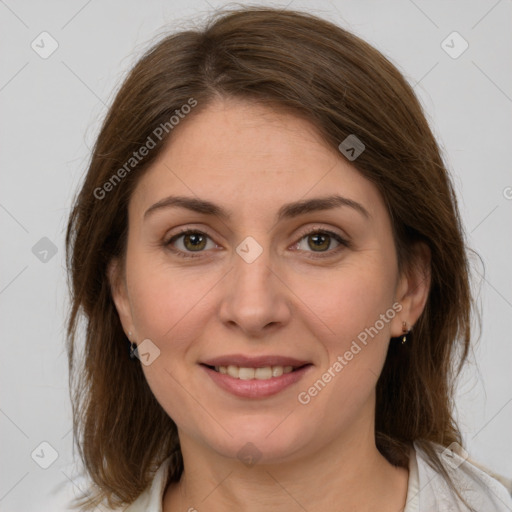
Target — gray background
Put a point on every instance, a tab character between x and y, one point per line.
51	110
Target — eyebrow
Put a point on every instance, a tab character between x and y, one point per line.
287	211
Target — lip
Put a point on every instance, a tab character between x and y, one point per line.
255	388
254	362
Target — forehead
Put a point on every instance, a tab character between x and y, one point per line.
250	156
247	136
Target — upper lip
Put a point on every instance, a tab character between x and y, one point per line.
254	362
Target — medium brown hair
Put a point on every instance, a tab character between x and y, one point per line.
341	85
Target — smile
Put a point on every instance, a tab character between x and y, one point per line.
245	373
253	378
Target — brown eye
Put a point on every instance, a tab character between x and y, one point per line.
194	241
187	242
320	241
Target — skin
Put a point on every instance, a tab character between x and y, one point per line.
321	456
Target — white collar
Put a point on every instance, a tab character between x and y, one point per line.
427	490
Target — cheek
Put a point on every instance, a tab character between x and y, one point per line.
168	308
164	299
348	300
355	305
358	307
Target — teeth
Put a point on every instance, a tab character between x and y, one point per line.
263	373
233	371
243	373
277	371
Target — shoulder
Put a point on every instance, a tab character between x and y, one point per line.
480	490
151	499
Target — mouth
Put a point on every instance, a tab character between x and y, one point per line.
257	373
257	377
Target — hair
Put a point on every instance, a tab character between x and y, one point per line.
321	72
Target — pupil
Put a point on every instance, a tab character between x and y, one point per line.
317	238
194	239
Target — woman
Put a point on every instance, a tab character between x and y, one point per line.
269	257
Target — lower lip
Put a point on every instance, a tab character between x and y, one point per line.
255	388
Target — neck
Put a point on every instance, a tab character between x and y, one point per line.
342	476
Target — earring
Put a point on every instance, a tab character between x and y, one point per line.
133	347
405	332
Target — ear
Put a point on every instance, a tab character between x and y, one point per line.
119	292
413	289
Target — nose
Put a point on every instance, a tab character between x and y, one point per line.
255	297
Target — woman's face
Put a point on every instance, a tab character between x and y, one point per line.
255	287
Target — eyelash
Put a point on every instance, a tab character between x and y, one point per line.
343	243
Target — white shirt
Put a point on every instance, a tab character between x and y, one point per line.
427	490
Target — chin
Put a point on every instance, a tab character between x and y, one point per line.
264	440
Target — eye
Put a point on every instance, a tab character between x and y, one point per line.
320	240
192	241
